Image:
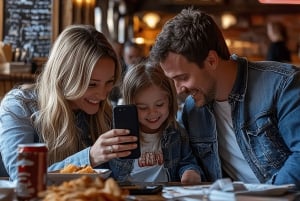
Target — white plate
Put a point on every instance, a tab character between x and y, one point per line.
7	190
56	178
266	189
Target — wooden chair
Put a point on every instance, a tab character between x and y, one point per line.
9	81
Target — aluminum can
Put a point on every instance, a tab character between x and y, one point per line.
32	170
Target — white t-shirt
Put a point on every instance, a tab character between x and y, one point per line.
233	161
149	167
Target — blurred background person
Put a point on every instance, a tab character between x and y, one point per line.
115	94
133	53
277	50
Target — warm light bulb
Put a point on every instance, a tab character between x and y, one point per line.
280	1
151	19
139	40
78	2
228	20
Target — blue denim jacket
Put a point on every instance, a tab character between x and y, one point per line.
265	107
18	110
177	157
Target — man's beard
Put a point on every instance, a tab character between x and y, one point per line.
204	98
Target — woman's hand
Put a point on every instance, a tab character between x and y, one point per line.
109	145
190	177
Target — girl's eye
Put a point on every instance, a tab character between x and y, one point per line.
160	104
110	82
92	84
141	108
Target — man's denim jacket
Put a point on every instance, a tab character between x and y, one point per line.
177	156
265	108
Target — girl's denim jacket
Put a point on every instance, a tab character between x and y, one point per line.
265	108
177	156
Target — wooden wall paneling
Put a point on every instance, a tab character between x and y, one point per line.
90	12
55	19
67	13
1	19
103	4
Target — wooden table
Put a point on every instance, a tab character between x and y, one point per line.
158	197
288	197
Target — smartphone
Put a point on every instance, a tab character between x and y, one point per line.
143	189
126	116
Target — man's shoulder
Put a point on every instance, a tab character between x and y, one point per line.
274	67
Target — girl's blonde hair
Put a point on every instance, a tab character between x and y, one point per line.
144	75
66	77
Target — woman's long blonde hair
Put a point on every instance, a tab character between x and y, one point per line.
66	77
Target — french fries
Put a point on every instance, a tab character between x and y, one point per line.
85	189
76	169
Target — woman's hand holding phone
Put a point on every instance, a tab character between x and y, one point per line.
116	143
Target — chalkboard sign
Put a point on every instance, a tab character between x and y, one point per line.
27	25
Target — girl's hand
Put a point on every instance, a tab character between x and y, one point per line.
190	177
110	145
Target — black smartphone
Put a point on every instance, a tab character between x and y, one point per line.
143	189
126	116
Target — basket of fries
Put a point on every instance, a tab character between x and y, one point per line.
71	172
85	188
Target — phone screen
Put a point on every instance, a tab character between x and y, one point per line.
126	116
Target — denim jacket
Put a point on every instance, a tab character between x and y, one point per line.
177	157
18	110
265	108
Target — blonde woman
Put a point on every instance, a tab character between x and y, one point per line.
67	108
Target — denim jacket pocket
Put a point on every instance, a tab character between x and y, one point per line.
264	142
208	159
203	149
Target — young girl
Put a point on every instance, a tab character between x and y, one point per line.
165	150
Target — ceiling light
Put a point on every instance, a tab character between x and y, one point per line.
228	20
151	19
280	1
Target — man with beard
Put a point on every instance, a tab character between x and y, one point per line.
242	117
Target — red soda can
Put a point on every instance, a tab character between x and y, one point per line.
32	170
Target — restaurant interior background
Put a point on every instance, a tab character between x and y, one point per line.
243	22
